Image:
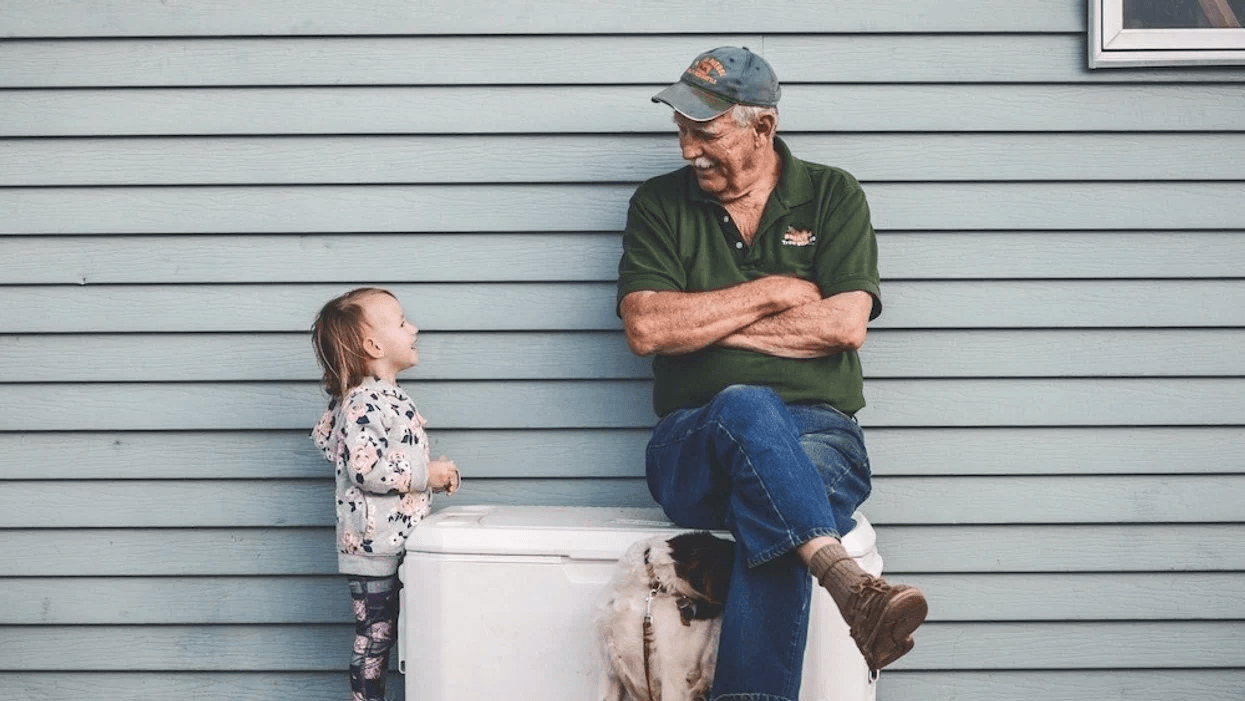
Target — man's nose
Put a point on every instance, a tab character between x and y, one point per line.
689	147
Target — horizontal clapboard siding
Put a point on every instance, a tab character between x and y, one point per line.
273	599
126	18
197	357
512	60
1054	424
626	404
1055	685
597	207
590	109
223	454
900	500
1044	685
590	306
910	551
382	159
314	647
575	257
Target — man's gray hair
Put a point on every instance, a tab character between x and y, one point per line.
747	115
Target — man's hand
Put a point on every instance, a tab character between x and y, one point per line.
790	292
675	323
832	325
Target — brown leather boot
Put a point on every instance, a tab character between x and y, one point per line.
881	616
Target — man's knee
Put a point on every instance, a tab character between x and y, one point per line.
748	406
745	398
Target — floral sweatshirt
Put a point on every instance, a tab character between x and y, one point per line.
375	438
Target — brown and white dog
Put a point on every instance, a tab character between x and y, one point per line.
660	618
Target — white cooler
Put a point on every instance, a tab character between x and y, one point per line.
498	603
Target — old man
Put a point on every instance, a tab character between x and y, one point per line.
752	276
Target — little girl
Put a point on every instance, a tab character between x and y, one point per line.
374	436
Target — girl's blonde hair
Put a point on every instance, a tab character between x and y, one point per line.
337	336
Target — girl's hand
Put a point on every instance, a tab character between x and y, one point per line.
443	475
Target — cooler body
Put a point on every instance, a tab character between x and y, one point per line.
500	600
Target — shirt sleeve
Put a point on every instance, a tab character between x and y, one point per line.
382	456
650	259
848	257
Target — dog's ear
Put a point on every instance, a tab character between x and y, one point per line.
704	561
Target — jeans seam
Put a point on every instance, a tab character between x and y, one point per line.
794	662
795	542
778	549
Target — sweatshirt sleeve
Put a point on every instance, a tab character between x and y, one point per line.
382	441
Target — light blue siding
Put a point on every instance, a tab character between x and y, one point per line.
476	60
380	159
1055	419
60	18
589	109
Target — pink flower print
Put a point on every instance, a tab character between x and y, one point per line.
350	542
354	411
360	644
363	458
395	540
402	481
357	696
382	630
360	613
323	427
413	504
418	423
371	668
398	460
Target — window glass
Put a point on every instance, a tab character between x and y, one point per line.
1183	14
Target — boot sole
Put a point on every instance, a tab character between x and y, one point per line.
892	638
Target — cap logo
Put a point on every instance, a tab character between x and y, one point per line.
704	70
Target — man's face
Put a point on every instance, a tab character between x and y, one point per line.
722	154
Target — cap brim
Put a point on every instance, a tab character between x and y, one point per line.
693	103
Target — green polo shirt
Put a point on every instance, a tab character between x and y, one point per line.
815	226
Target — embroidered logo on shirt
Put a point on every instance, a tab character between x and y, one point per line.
798	237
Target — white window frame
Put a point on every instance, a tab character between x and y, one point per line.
1113	46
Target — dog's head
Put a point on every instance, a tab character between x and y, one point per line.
704	561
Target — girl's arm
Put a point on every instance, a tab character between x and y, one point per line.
382	455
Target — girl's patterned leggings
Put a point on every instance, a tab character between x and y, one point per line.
376	627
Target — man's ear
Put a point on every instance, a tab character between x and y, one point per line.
764	128
372	348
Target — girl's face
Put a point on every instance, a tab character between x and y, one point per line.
389	337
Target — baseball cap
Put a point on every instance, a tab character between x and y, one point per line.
720	78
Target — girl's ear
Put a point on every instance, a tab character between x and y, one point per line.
372	348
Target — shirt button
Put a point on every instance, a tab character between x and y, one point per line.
726	220
739	244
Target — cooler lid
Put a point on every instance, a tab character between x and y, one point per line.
577	532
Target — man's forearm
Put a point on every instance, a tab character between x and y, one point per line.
675	323
814	330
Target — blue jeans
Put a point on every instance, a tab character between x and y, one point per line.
776	475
